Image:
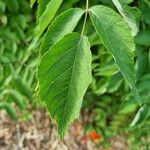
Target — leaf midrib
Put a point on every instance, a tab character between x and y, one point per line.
64	112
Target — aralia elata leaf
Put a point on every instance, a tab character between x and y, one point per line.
117	39
62	25
64	74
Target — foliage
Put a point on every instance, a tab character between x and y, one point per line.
111	38
16	63
94	54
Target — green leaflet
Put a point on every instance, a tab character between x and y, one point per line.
141	116
47	16
130	15
62	25
41	7
67	4
64	75
117	38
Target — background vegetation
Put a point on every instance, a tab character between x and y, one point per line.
109	102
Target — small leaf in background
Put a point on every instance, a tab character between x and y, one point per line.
147	1
41	7
141	116
64	74
114	82
67	4
32	2
17	98
141	64
62	25
10	111
143	37
23	88
12	5
145	11
47	16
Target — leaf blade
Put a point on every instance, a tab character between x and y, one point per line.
113	30
47	16
141	116
62	80
63	24
130	15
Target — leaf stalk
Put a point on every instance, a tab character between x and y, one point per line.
86	14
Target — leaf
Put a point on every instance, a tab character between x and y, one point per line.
141	116
47	16
114	82
41	7
141	63
62	25
12	5
67	4
143	38
2	8
10	111
23	88
100	87
127	1
64	75
117	39
17	98
32	2
147	2
24	7
145	11
128	106
130	15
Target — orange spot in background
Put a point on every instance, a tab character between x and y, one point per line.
94	136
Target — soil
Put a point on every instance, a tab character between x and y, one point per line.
39	133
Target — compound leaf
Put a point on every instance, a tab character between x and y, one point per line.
64	74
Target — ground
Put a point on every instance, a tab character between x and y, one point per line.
39	133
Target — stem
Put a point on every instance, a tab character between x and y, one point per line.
86	14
